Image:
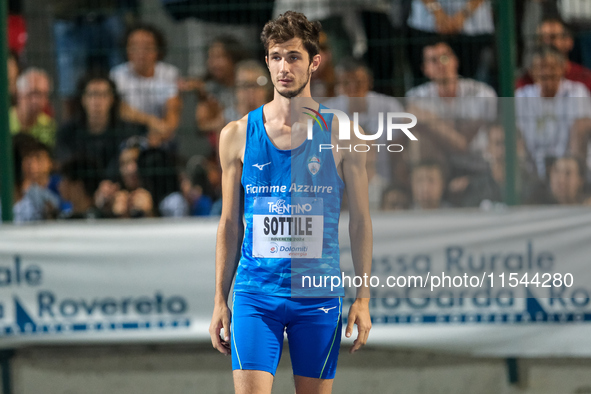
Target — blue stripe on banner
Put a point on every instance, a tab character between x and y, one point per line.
499	318
95	326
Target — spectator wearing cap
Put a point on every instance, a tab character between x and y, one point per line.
148	86
33	87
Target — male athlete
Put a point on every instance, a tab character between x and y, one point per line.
284	186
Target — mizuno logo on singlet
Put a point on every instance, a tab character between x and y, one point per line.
325	310
260	166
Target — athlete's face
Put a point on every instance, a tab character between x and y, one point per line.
290	67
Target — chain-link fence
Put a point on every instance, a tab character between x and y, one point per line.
116	106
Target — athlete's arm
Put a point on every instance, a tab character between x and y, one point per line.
360	233
230	230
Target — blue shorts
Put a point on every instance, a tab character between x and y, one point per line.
313	327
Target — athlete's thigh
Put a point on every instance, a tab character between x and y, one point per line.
314	336
256	332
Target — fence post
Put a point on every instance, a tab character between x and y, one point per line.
506	45
6	170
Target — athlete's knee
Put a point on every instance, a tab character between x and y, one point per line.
305	385
252	382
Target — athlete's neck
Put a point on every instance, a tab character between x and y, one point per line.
289	110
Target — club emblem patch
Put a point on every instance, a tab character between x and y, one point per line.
314	165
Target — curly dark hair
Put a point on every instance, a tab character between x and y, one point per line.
292	25
156	33
83	169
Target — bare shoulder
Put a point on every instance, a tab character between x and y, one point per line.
233	139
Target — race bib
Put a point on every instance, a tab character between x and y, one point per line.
285	227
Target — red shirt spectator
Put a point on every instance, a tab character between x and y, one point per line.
574	72
17	33
553	32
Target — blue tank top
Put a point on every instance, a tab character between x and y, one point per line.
292	203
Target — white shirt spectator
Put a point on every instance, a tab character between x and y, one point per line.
427	97
545	123
148	95
463	106
480	22
174	205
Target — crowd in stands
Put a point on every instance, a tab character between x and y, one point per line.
113	152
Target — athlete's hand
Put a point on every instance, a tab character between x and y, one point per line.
220	319
359	314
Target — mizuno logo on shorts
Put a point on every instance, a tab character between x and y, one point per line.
325	310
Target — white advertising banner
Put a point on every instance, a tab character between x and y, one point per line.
153	281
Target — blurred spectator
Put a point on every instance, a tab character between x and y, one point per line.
126	198
577	13
472	190
33	87
253	89
196	187
566	180
368	30
553	32
13	73
354	84
135	204
322	81
466	24
148	86
548	110
450	109
33	200
529	15
215	92
395	198
428	185
17	27
87	38
79	181
128	170
97	130
158	174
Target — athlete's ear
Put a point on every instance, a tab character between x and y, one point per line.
267	61
316	62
